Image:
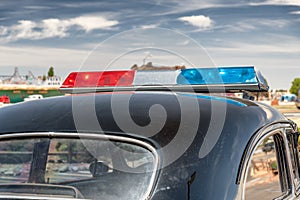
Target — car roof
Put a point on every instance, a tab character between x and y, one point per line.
57	113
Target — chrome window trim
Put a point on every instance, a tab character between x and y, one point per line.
100	136
289	160
296	156
34	198
273	129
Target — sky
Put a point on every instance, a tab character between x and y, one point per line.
73	35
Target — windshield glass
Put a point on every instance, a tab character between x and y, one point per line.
82	167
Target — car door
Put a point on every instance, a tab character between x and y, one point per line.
270	165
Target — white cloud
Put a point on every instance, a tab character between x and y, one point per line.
253	24
194	5
199	21
3	30
23	30
279	2
285	45
89	23
184	43
149	26
54	28
49	28
37	7
273	23
295	12
239	27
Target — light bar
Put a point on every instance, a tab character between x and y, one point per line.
221	79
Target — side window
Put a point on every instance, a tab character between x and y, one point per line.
266	177
72	167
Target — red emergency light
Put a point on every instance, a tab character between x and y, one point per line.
99	79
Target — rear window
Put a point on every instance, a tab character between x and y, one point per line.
88	167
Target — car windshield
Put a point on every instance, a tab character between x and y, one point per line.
89	168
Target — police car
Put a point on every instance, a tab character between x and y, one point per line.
159	135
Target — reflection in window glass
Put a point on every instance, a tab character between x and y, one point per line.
68	160
15	160
263	178
95	168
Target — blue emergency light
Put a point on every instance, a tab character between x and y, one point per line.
228	75
220	79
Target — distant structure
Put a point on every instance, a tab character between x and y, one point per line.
16	78
53	81
149	66
29	79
